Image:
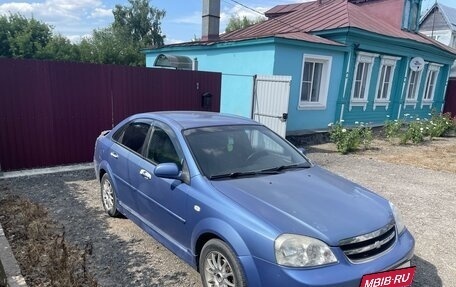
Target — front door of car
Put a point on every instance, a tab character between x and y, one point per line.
162	202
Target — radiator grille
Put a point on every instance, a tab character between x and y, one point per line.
365	247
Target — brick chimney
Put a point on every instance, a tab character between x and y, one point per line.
211	20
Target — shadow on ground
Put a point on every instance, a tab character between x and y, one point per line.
426	274
318	149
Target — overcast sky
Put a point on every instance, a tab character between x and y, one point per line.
78	18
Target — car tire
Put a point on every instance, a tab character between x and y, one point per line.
108	196
219	265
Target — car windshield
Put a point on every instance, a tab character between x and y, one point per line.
241	150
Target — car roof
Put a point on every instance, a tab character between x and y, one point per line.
195	119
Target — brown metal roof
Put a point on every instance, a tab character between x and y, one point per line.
307	37
296	20
292	36
287	8
303	20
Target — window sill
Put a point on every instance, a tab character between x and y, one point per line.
316	106
381	103
358	103
427	103
410	103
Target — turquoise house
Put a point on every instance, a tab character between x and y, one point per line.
349	60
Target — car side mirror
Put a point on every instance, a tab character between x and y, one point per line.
168	170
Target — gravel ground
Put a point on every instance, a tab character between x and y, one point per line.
427	200
124	255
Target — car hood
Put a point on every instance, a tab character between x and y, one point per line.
312	202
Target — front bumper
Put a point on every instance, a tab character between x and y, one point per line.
342	274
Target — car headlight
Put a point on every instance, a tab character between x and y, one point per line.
397	218
302	251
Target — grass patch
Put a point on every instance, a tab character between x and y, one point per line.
439	155
39	245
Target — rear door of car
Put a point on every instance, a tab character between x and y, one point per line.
127	141
162	202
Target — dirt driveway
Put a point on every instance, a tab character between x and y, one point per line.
124	255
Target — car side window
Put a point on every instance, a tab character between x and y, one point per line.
161	148
134	136
164	148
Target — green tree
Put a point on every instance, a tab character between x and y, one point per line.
21	37
107	47
237	22
135	27
86	51
5	50
59	48
139	23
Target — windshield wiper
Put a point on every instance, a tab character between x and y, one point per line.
243	173
233	174
273	170
284	167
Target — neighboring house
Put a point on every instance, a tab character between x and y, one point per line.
348	60
439	23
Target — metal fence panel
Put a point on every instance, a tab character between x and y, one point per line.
52	112
450	98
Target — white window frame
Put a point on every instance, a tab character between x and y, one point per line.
453	40
387	61
324	82
366	58
435	69
413	101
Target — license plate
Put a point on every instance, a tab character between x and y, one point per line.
401	277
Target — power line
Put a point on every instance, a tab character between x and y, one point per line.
263	14
247	7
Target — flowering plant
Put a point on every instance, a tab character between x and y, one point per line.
416	129
348	140
440	124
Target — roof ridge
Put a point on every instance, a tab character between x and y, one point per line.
441	8
428	12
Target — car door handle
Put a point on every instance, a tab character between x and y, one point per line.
114	155
145	174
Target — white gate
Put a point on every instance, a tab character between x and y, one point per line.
270	101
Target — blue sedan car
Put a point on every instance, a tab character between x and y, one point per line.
242	205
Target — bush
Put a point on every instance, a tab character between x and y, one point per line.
348	140
418	129
393	129
416	132
440	124
365	132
